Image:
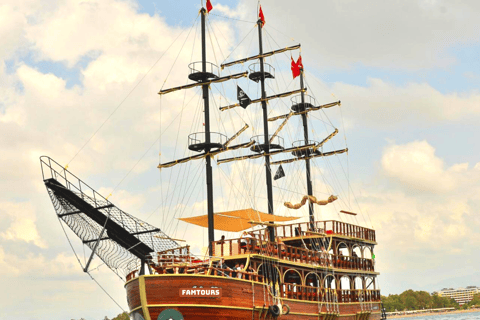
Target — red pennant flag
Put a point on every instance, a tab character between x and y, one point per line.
209	6
297	67
261	16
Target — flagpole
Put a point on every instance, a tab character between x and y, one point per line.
271	230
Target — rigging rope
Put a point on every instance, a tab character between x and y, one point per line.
224	17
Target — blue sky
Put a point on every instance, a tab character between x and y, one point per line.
407	75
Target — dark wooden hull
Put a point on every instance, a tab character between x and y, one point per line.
241	299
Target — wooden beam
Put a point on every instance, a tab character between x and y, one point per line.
188	86
348	212
258	56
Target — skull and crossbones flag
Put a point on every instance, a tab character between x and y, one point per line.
242	97
279	174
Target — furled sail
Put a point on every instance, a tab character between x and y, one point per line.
238	220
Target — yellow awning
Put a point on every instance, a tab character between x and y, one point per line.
235	221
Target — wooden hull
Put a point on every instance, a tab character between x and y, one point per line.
241	299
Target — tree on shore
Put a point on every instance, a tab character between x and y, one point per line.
416	300
122	316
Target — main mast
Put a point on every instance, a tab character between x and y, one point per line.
268	171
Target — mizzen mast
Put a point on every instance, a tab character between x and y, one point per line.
307	161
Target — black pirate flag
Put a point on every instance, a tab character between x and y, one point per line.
279	174
242	97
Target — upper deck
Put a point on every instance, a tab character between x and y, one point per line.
298	244
321	228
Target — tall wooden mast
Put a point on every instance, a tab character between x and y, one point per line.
208	162
268	171
307	160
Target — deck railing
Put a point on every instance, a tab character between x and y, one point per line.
232	247
205	270
328	227
300	292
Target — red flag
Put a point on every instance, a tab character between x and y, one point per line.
261	16
297	67
209	6
299	63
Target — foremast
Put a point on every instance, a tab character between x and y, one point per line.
208	162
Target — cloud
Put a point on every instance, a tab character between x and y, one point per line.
22	223
11	31
382	105
416	166
387	34
423	211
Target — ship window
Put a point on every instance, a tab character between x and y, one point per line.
367	253
329	282
312	280
345	283
357	251
358	283
292	276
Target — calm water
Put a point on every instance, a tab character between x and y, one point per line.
458	316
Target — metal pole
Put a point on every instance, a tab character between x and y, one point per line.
211	233
307	161
271	230
96	245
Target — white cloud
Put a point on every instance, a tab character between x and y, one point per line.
11	30
22	226
393	34
422	210
416	166
383	105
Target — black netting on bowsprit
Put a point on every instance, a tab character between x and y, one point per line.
120	256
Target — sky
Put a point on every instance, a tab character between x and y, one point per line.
79	83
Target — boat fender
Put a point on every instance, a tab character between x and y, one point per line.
274	310
285	309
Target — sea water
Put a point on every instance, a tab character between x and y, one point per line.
454	316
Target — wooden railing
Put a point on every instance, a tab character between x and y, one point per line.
204	270
176	255
232	247
296	291
352	263
320	227
358	295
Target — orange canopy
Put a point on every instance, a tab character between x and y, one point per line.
235	221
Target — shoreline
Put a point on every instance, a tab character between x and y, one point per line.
432	313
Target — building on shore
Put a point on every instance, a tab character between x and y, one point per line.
460	295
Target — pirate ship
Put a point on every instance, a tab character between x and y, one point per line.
277	268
